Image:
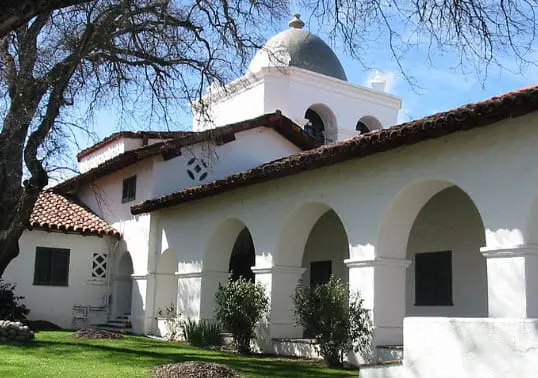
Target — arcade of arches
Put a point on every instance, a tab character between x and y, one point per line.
428	260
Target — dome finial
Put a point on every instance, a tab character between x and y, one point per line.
296	22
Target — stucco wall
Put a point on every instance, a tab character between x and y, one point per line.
293	90
297	90
370	197
247	102
250	149
459	347
107	152
450	222
470	347
55	303
104	198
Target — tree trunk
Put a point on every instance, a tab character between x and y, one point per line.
16	200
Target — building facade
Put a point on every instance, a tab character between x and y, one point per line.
300	175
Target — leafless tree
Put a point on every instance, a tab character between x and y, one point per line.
167	52
480	33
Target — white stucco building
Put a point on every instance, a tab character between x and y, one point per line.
301	175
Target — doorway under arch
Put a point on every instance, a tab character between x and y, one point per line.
123	286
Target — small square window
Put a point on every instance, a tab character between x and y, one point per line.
433	279
320	272
51	266
129	189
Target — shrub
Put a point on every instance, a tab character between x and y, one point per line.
338	322
203	333
10	308
240	305
172	321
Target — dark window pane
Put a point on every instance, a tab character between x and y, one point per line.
51	266
433	279
129	189
320	272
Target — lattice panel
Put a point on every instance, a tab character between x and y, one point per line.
99	265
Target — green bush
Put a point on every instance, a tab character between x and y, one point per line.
339	323
10	308
203	333
240	305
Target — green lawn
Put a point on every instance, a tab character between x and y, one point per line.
59	355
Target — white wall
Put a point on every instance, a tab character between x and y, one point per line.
104	198
297	90
293	90
55	303
107	152
250	149
450	222
470	347
493	165
246	102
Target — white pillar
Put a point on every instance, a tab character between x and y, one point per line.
139	318
512	281
210	285
196	293
381	282
280	283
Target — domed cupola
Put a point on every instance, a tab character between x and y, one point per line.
296	47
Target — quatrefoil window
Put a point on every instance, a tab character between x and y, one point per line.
197	169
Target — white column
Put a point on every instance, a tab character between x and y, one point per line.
512	281
210	285
138	304
196	293
381	282
280	283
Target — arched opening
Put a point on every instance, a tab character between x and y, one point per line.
430	264
367	123
321	123
166	281
230	253
447	275
315	125
123	286
325	251
243	257
312	246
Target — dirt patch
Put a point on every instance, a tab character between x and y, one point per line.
96	334
193	370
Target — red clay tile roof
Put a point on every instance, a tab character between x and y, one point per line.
133	135
479	114
54	212
224	134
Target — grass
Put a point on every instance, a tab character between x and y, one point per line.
58	354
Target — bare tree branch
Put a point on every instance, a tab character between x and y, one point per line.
15	13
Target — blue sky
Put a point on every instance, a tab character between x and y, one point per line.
438	86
